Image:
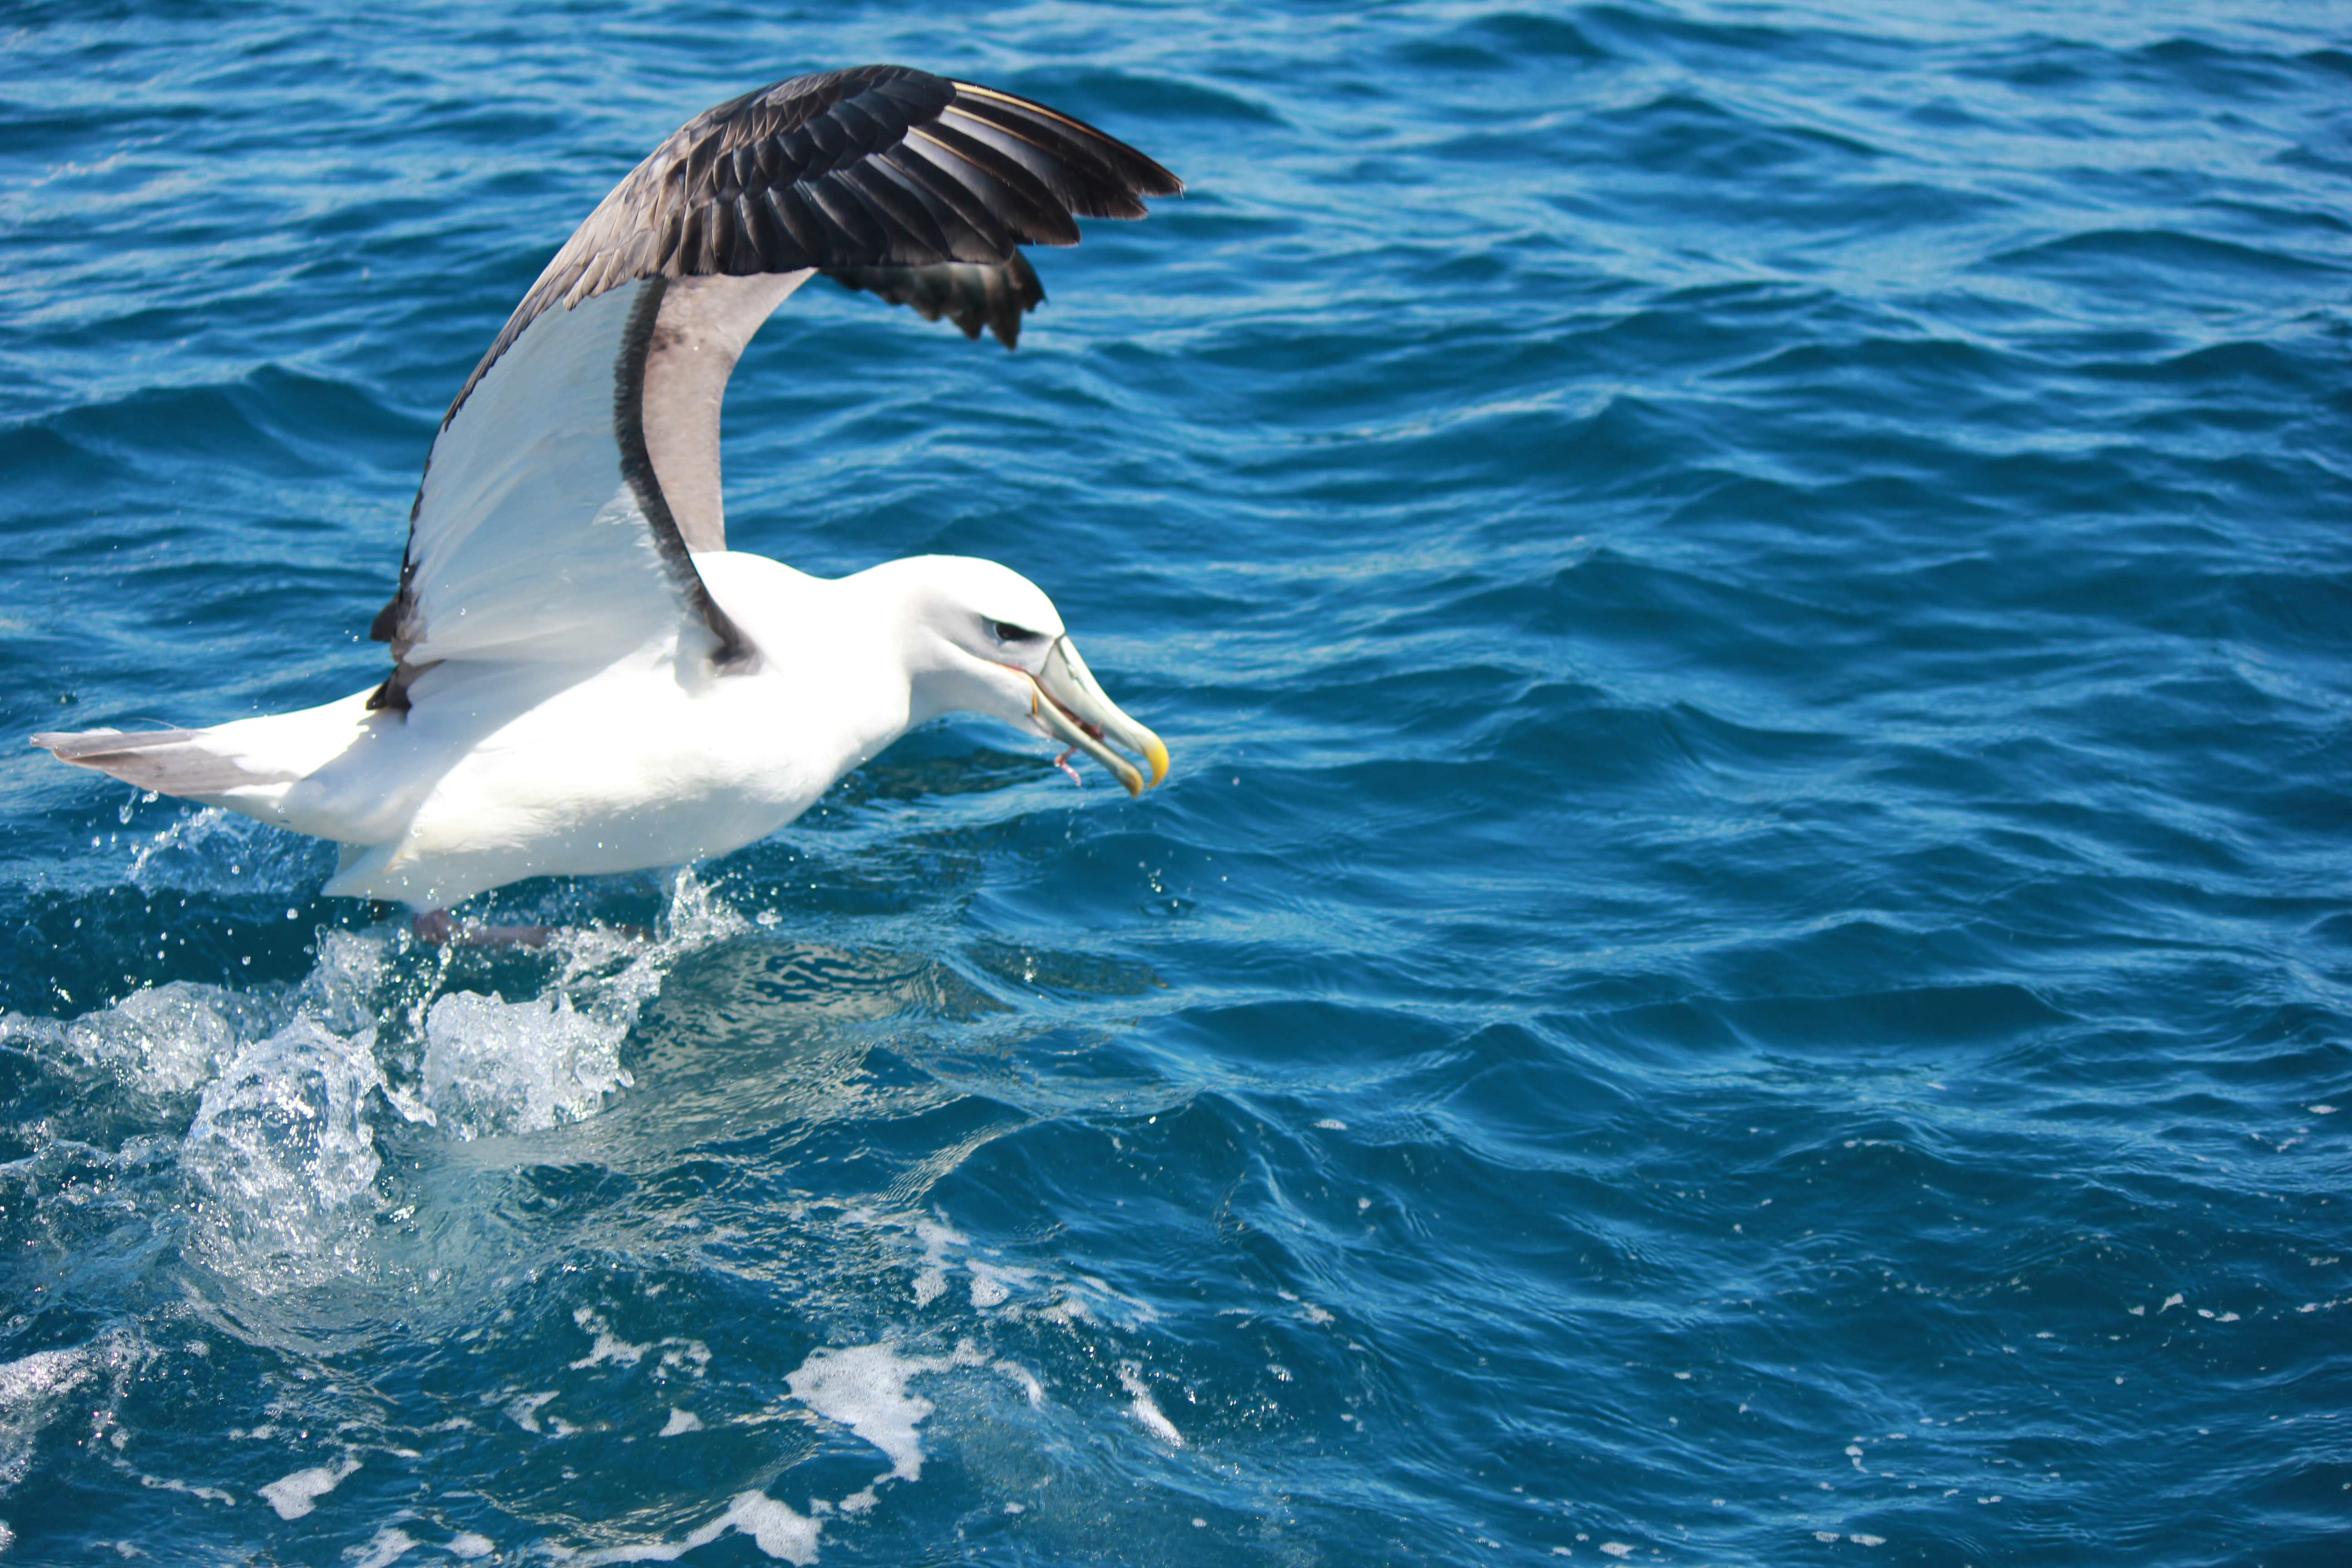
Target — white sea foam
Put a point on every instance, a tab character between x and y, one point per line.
524	1411
295	1495
1030	1389
1144	1409
608	1346
681	1421
776	1529
993	1284
945	1248
390	1544
864	1388
186	1488
689	1356
932	1280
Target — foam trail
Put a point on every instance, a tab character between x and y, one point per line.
1145	1409
776	1529
864	1388
390	1545
294	1495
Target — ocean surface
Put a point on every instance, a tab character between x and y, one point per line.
1748	958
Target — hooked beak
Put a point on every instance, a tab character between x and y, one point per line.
1073	710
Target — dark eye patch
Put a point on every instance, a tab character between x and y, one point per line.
1007	632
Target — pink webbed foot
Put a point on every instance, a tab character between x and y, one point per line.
435	927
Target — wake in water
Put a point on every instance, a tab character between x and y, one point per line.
286	1159
291	1084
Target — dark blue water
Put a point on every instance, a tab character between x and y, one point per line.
1748	958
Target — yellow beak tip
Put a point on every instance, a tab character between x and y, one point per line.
1157	755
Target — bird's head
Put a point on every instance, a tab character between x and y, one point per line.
985	640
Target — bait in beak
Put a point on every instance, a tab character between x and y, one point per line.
1070	706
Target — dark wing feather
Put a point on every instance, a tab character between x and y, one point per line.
786	178
970	295
906	186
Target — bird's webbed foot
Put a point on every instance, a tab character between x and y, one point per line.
437	926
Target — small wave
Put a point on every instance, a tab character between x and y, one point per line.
2128	263
39	1389
266	421
32	1389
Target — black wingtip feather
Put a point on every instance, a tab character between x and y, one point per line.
1141	175
973	297
699	205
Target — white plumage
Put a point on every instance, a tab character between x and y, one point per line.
587	680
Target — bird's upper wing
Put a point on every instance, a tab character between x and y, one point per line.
577	471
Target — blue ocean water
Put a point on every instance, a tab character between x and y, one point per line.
1748	958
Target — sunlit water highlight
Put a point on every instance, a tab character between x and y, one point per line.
1746	960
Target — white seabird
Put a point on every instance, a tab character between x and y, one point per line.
587	680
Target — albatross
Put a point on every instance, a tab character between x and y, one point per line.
585	677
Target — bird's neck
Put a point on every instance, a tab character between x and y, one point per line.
834	652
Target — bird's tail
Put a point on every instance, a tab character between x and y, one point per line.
194	764
251	765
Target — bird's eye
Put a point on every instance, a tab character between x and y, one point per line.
1007	632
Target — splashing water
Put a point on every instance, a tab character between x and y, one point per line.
293	1086
281	1150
